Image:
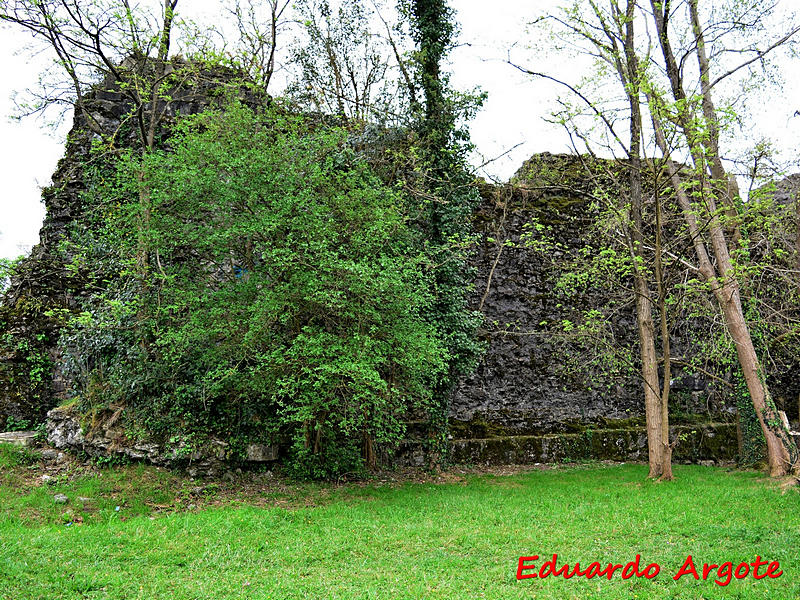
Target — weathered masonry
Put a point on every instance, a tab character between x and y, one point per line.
520	406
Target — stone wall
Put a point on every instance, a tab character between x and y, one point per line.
521	405
105	438
520	384
47	282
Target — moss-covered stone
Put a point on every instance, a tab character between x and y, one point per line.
483	426
27	338
712	441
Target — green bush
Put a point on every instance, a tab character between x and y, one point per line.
263	285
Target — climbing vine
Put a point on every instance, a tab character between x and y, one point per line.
446	198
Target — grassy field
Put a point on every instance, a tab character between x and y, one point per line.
176	539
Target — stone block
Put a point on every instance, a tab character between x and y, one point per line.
18	438
262	452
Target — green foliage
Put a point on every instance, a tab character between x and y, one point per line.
753	443
26	373
281	299
7	269
591	286
14	424
447	199
17	456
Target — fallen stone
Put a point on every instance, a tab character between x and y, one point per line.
47	478
18	438
218	450
706	463
64	429
60	499
262	452
51	455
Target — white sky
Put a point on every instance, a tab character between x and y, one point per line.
513	114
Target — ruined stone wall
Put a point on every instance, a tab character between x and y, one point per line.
47	283
521	405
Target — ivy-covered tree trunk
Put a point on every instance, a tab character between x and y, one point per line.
451	198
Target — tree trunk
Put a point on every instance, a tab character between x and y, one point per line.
779	453
702	139
797	234
652	399
725	188
781	450
166	30
666	474
631	79
143	225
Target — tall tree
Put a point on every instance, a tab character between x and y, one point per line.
109	39
345	65
105	39
259	25
608	33
656	402
708	195
689	125
447	195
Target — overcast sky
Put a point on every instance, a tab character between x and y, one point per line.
514	113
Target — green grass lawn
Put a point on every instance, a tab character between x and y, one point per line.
413	540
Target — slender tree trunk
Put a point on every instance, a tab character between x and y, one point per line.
781	450
652	399
148	138
166	30
143	224
654	414
273	32
725	188
666	449
797	233
370	460
703	144
630	76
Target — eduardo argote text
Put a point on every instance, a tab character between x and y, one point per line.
529	567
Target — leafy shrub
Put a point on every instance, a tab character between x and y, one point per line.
264	285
